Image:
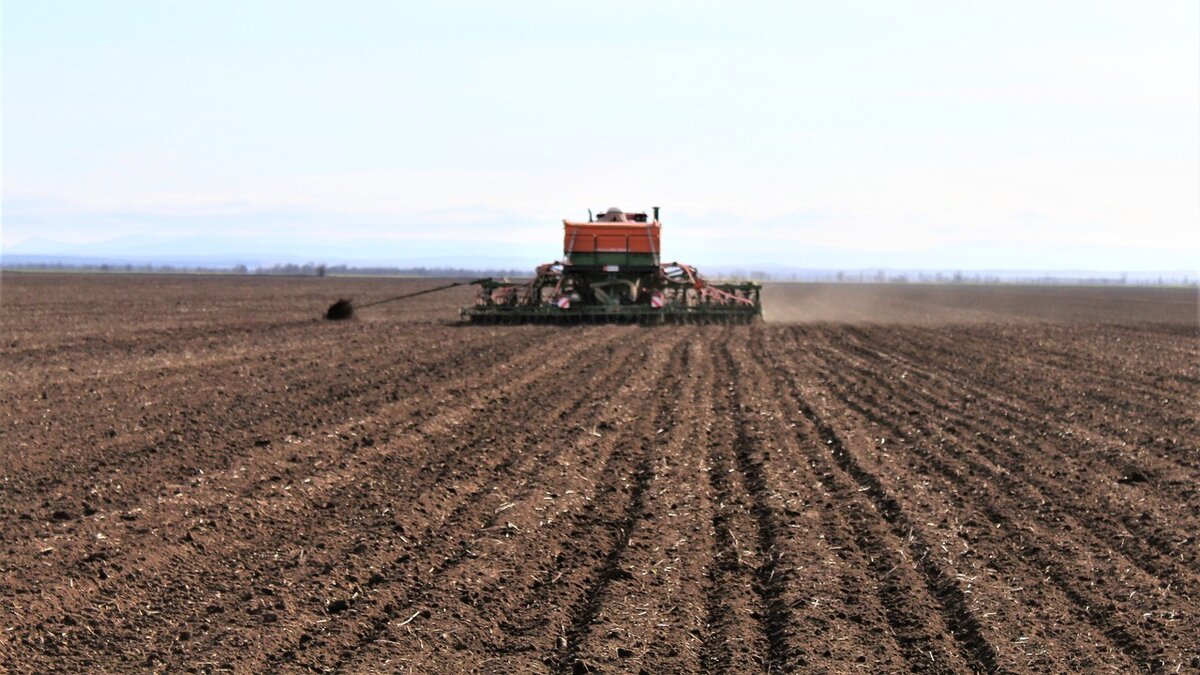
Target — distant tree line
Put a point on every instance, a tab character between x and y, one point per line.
975	278
289	269
319	270
119	268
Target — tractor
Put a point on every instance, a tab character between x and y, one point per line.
612	272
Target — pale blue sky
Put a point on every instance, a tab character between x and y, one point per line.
954	134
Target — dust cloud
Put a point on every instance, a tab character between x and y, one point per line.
930	304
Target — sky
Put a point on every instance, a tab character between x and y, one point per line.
935	134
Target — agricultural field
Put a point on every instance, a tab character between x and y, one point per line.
200	474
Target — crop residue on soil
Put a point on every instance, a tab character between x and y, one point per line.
981	480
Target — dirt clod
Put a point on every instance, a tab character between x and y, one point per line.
1134	476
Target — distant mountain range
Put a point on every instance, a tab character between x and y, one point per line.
811	263
197	251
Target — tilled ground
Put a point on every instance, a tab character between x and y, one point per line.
199	474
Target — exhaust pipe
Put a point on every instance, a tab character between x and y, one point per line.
656	213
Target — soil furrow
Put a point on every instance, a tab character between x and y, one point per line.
955	608
652	618
250	397
1020	568
311	513
581	537
1154	536
772	575
198	474
868	544
832	542
1120	637
734	595
1026	378
149	505
584	614
413	587
433	547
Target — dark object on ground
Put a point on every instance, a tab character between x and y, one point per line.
343	309
340	310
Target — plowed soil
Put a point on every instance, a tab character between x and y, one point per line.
200	474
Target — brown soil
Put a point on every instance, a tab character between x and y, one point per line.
203	474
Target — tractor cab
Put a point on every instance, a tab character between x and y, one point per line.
616	215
